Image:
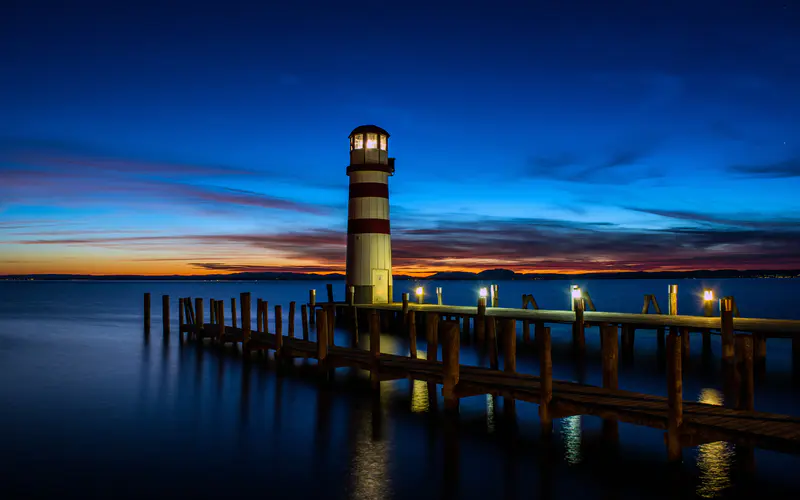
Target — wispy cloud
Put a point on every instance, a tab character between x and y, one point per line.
782	169
623	165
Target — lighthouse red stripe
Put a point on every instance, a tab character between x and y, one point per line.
359	226
369	189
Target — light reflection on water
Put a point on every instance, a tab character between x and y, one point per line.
571	429
369	469
713	459
419	397
490	418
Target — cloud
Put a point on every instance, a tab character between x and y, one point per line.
622	166
704	219
71	179
779	170
541	245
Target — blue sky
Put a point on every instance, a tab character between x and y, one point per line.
538	136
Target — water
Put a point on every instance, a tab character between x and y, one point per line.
91	408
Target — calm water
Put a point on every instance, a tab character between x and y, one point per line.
89	407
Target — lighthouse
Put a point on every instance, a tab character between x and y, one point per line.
369	246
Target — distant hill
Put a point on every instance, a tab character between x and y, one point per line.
487	275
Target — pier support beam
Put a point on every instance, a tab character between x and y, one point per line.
578	333
674	395
165	314
147	314
610	373
491	338
432	335
200	319
412	334
744	368
304	319
480	320
244	303
546	377
726	329
450	356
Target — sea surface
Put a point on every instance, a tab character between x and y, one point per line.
91	407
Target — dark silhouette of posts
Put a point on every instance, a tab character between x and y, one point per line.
278	331
147	314
233	312
165	314
322	339
244	302
259	315
610	356
312	305
199	315
674	395
292	307
491	334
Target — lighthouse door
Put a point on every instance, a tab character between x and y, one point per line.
380	286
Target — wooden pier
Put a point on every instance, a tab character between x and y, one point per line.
686	423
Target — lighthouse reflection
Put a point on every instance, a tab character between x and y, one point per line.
713	459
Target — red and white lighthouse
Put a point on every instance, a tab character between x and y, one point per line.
369	246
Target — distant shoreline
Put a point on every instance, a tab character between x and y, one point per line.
494	274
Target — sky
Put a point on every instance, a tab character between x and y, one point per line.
194	138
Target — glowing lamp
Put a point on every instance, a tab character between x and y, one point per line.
576	292
419	290
483	292
708	295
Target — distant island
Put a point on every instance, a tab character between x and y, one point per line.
487	275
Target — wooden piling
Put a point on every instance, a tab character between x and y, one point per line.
744	366
278	331
674	396
374	346
432	335
480	320
672	307
220	319
233	312
405	306
351	295
181	320
199	315
685	346
312	305
265	315
322	337
491	334
628	338
329	290
546	378
610	357
330	311
304	319
450	358
259	315
726	329
759	347
147	313
610	362
412	334
165	313
510	345
292	306
244	302
578	333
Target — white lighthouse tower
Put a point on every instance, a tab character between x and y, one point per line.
369	246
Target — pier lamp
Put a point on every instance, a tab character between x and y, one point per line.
576	295
708	303
419	291
483	292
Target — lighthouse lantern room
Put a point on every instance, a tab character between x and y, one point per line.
369	247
